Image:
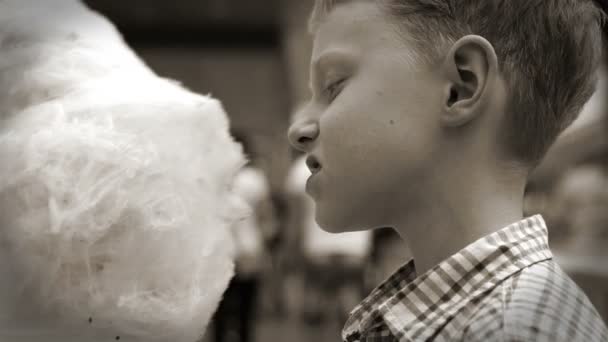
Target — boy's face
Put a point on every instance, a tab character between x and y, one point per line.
372	122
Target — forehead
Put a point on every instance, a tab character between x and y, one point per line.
355	27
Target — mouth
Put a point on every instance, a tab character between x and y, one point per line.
313	164
311	183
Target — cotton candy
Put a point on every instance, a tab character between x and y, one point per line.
115	185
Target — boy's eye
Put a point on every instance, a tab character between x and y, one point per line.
333	90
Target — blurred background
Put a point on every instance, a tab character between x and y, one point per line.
293	280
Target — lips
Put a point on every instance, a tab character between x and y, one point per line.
311	184
313	164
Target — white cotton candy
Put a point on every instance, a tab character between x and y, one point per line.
115	184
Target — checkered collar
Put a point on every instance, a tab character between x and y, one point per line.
414	308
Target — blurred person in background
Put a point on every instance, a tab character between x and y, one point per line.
276	267
577	205
580	203
235	317
332	264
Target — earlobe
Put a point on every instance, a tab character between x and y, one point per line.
470	67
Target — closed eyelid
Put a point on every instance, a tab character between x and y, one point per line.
329	67
333	79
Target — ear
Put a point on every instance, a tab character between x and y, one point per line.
471	67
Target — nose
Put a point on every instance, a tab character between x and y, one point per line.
304	129
302	134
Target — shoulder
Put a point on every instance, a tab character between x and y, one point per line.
540	303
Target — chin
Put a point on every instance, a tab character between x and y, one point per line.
328	223
332	222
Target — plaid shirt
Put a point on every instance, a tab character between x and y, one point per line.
503	287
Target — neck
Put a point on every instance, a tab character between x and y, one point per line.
463	210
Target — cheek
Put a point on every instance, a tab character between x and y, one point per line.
358	127
360	145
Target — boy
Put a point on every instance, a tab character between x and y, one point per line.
427	116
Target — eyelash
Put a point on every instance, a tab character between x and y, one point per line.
333	90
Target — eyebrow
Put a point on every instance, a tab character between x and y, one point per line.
319	64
